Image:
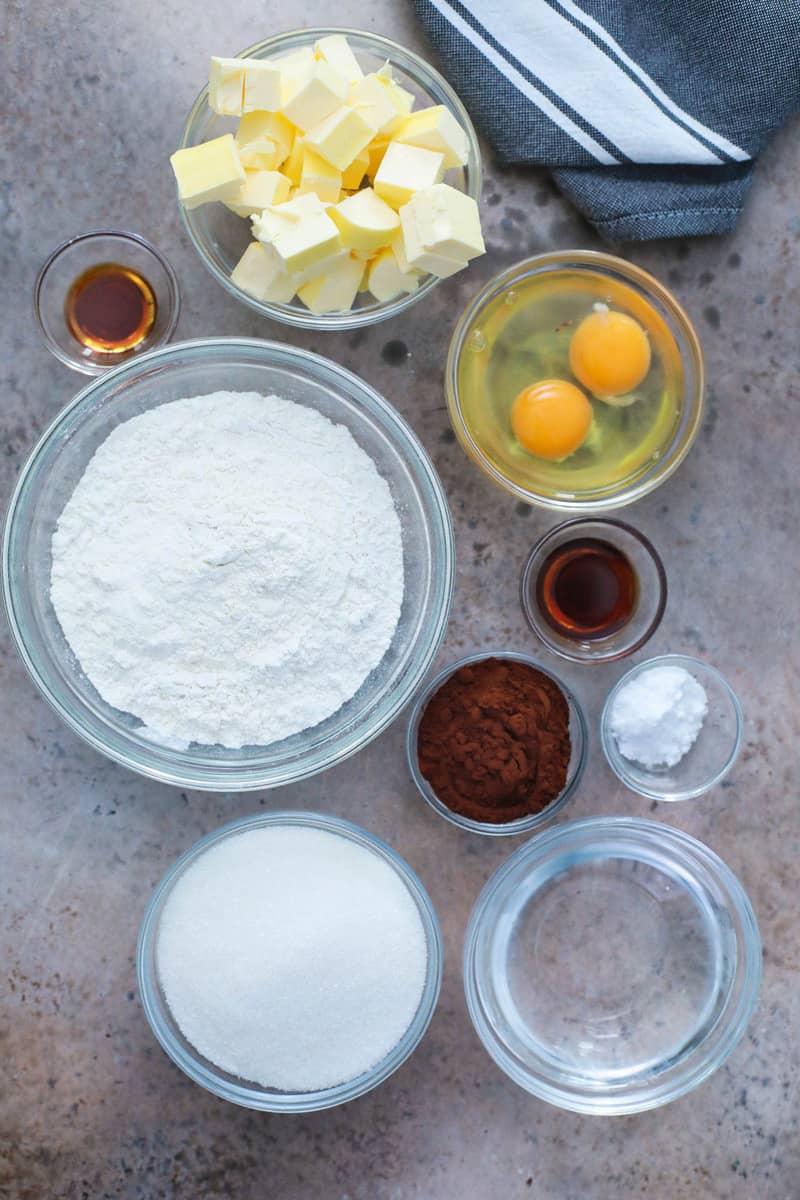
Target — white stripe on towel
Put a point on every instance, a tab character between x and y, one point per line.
710	135
521	84
584	76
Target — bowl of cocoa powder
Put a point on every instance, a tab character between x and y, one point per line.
496	744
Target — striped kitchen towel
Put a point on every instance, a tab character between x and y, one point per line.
649	112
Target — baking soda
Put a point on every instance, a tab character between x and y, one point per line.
657	716
291	957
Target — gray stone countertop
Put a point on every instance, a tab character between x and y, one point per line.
90	1107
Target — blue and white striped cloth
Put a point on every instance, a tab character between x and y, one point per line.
649	112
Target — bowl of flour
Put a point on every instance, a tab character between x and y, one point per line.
229	564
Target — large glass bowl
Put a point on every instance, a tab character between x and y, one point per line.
539	489
611	965
198	368
220	237
244	1092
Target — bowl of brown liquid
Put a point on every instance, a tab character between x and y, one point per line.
104	297
593	590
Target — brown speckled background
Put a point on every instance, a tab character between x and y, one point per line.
90	1108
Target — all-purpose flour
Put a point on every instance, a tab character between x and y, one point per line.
229	568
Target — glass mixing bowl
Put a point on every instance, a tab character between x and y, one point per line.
198	368
490	450
220	237
611	965
241	1091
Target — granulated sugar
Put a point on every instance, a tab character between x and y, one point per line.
291	957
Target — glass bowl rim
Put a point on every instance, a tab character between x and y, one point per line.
83	365
617	762
250	1095
684	849
540	630
300	317
522	825
597	260
211	778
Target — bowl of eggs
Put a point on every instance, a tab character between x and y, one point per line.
574	380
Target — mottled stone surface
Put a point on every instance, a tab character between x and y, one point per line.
89	1105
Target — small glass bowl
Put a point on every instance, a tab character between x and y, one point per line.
220	237
650	601
231	1087
68	261
710	758
577	762
611	965
468	339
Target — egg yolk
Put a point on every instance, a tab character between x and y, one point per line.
551	418
609	353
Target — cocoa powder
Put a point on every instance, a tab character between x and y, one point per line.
494	740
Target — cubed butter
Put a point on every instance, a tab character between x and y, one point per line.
259	190
437	129
210	171
313	95
264	140
260	275
402	100
320	177
365	221
386	280
335	51
376	150
292	65
226	86
405	170
341	136
353	175
262	86
447	222
300	232
335	290
375	102
293	167
412	254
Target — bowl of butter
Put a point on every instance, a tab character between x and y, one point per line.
329	178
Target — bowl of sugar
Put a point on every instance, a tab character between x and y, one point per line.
228	564
289	962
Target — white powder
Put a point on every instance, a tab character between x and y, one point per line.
657	716
291	957
229	569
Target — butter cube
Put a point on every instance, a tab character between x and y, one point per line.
262	86
264	140
374	100
353	175
294	62
320	177
405	170
341	136
412	254
210	171
376	151
447	222
335	51
365	222
386	280
313	95
226	86
299	231
293	167
402	100
259	190
335	290
437	129
261	276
